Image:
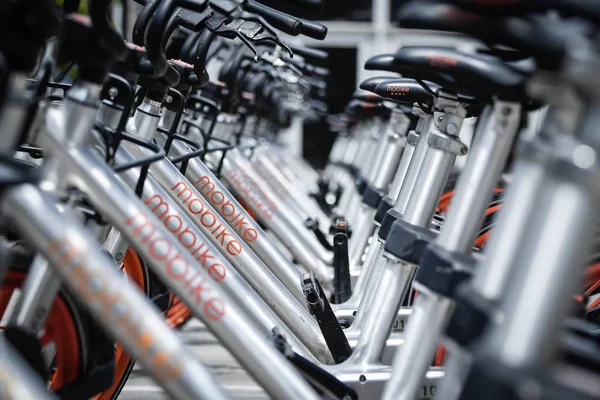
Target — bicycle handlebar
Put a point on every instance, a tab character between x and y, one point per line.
280	20
313	29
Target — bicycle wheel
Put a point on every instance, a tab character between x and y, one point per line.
65	329
136	271
62	328
178	314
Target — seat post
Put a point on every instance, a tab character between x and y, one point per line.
411	160
432	308
443	146
411	142
385	163
367	153
367	282
489	153
441	150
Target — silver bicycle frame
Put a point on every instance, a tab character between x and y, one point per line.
288	191
211	225
173	264
293	313
209	257
110	298
475	186
383	310
289	230
365	289
82	265
385	164
248	229
243	173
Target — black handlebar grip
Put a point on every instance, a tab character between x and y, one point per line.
313	29
311	5
313	56
282	21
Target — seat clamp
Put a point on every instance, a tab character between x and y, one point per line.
447	143
412	138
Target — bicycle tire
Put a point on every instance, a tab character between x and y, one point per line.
67	363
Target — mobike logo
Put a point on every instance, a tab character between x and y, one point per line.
176	267
279	189
97	291
207	218
243	184
397	90
442	62
227	210
187	237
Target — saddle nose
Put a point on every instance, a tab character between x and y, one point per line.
381	62
370	83
365	96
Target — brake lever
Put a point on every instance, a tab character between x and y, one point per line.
228	27
274	38
263	36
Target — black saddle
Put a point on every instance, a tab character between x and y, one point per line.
585	9
366	96
480	76
361	109
370	83
536	37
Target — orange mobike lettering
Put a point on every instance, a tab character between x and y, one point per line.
240	183
278	187
177	268
208	220
186	236
227	208
96	291
270	204
404	89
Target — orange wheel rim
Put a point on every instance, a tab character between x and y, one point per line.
59	328
132	266
177	313
440	356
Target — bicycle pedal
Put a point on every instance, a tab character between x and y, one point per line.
330	327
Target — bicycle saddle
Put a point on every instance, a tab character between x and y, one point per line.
370	83
363	109
404	90
586	9
366	97
537	37
476	75
386	62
